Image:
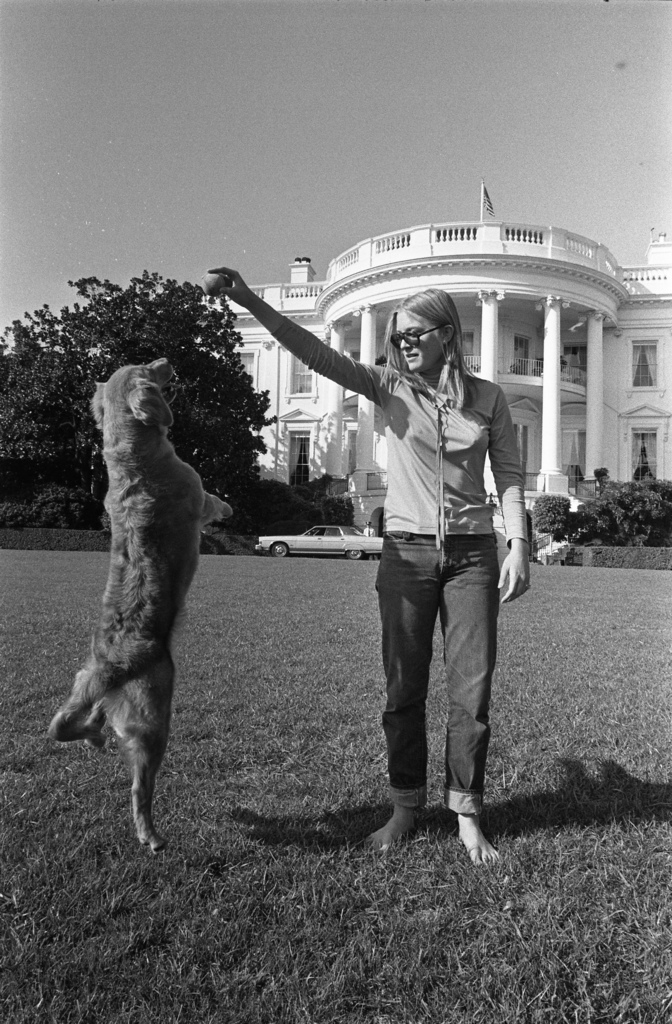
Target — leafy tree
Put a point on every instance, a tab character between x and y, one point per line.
50	364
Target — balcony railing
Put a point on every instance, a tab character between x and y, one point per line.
583	488
472	237
535	368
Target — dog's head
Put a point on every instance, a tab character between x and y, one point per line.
135	392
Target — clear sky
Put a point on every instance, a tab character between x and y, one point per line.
171	135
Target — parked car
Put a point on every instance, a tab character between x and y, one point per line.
347	541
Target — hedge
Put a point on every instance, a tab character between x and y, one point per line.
38	539
626	558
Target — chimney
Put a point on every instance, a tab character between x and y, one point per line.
659	252
301	270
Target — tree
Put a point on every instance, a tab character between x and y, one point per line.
50	365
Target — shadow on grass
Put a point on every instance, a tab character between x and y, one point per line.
580	799
329	831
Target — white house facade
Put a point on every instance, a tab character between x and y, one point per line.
581	346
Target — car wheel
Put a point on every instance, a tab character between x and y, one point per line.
279	550
355	554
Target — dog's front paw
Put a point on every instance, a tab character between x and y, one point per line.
222	509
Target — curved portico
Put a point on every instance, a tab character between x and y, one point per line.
532	301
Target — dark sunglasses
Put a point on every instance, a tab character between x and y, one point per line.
410	337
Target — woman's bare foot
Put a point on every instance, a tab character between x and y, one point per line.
402	820
478	847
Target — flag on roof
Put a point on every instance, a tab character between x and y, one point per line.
486	202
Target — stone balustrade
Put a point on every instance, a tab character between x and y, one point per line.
535	368
472	238
646	279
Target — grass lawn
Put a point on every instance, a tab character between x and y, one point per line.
266	906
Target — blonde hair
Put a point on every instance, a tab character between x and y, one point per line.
437	308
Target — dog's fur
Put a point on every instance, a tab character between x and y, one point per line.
157	508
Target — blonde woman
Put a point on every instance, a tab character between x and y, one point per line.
439	553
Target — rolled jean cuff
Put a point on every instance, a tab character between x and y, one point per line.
409	797
463	801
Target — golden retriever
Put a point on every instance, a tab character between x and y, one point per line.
157	507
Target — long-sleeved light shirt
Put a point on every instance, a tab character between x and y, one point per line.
483	425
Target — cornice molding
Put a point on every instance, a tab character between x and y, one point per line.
331	293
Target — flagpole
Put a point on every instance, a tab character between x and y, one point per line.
482	197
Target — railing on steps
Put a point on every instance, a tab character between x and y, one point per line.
542	546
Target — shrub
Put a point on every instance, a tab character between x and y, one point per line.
627	515
56	507
14	513
551	515
274	501
628	558
54	540
293	527
337	510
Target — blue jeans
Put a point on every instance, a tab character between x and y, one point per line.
412	590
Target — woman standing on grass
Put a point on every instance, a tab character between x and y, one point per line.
439	553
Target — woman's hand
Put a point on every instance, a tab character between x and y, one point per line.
232	286
516	567
228	282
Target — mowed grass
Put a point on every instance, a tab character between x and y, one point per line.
267	906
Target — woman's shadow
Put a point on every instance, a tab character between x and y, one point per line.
580	799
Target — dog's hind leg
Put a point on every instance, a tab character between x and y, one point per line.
140	717
82	716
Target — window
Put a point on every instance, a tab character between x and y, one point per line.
645	365
247	359
575	356
352	451
522	440
471	358
302	378
521	355
644	452
299	458
574	455
468	343
521	347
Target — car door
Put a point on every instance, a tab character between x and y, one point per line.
310	543
333	543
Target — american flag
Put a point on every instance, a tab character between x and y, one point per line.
486	202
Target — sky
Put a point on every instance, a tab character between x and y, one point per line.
174	135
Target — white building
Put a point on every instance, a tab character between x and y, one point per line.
581	346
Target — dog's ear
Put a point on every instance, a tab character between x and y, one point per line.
97	404
149	406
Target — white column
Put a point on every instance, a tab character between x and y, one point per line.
489	333
594	395
365	407
550	474
334	416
